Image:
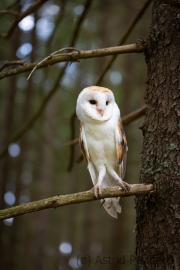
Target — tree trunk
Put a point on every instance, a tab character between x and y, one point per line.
158	215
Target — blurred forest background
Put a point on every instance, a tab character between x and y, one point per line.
42	163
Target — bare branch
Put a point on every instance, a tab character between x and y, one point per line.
21	16
12	63
56	53
131	117
80	197
75	56
11	12
74	141
123	39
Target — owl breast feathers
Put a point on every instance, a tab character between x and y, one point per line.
103	142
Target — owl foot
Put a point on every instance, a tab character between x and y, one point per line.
125	186
98	191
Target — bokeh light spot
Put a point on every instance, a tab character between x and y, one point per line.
65	248
115	77
27	23
9	198
14	150
9	221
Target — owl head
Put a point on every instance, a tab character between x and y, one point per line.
96	103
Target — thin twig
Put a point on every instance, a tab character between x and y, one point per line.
74	141
10	7
56	53
21	16
122	40
131	117
86	196
12	63
11	12
76	56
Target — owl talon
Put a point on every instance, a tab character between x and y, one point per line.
128	187
98	191
125	186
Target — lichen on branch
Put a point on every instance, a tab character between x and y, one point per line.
86	196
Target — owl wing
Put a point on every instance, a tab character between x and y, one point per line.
121	147
83	144
112	205
85	152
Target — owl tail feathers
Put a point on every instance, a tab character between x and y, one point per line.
112	206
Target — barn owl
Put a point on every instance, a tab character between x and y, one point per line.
103	142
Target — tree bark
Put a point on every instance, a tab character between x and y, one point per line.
158	215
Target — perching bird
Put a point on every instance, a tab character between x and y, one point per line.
103	142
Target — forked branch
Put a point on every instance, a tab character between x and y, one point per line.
74	57
86	196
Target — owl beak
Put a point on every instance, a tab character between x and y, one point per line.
101	112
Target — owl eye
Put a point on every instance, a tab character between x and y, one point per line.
107	102
92	102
